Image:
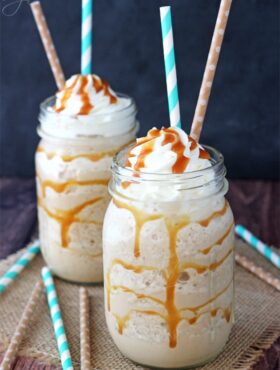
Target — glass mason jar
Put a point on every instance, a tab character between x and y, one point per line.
72	176
168	254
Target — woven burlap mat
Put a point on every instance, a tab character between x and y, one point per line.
257	323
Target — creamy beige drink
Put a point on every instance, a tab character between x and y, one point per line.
81	130
168	244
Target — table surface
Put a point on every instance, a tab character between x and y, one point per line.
255	205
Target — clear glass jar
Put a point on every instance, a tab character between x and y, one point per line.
72	176
168	253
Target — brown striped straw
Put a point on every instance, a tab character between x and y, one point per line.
48	43
84	329
20	331
210	69
258	271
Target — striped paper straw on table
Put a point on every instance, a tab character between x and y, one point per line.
21	329
84	329
86	37
56	316
19	265
170	66
257	271
258	245
210	69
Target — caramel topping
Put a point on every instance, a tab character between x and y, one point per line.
173	315
98	84
67	217
67	94
170	136
86	105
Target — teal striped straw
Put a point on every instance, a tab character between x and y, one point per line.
86	37
170	66
58	326
258	245
19	265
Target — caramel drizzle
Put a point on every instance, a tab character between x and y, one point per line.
140	220
60	187
171	136
67	218
193	309
86	105
174	269
122	320
66	96
94	157
99	85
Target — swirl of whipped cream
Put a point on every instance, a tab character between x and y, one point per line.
168	150
84	94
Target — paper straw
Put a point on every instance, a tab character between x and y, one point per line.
258	245
48	43
258	271
21	329
170	66
19	265
84	329
56	316
210	69
86	37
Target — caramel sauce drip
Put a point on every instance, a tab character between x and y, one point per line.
171	136
87	106
122	320
66	95
140	220
173	315
219	241
100	85
216	214
94	157
67	217
60	187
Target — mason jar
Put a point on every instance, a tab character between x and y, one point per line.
168	253
72	176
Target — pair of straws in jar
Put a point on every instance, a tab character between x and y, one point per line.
56	316
169	58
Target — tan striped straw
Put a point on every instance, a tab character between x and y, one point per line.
20	331
258	271
210	69
84	329
48	43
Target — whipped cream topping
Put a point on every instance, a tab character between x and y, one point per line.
87	106
83	94
167	150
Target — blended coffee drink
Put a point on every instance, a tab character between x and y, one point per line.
80	129
168	244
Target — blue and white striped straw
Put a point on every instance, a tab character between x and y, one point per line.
258	245
170	66
19	265
58	326
86	37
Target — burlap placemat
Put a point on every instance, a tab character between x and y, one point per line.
257	323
